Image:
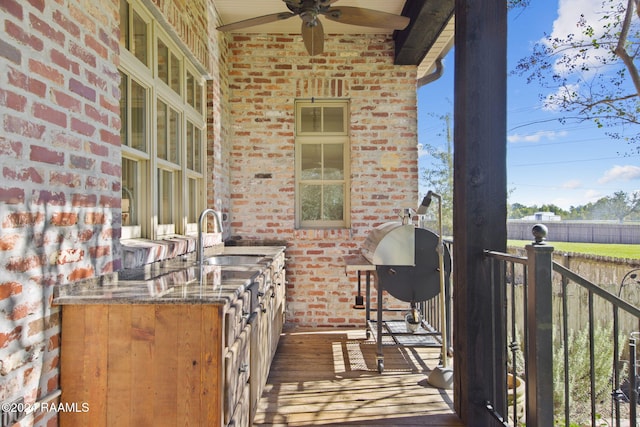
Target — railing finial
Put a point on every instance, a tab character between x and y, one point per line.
539	232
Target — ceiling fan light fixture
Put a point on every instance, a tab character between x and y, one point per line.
309	17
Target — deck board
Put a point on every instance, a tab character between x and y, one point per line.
330	378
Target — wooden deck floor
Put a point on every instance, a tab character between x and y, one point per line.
330	378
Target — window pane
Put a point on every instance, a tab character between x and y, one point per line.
310	199
165	197
311	161
163	128
174	136
176	76
333	161
194	92
124	109
193	148
124	24
333	119
333	202
192	197
311	119
190	137
191	87
140	39
129	192
168	133
138	116
163	62
197	144
198	96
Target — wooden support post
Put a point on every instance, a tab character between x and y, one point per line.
480	198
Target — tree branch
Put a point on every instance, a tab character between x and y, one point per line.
608	101
621	51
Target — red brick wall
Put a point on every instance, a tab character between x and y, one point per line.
267	73
60	168
60	164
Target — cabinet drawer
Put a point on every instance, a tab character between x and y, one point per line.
281	286
235	319
236	372
241	415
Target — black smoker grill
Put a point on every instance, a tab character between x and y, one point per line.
406	263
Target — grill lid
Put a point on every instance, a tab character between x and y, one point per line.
391	243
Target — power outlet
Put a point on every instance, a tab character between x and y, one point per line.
12	412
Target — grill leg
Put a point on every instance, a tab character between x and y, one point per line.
368	302
380	355
359	300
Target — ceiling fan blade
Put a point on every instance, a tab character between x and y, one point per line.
266	19
367	17
313	37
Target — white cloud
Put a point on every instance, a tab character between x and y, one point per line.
572	184
620	173
570	12
564	95
536	137
592	195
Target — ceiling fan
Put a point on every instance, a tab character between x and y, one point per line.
312	31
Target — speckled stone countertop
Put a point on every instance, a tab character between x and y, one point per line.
176	281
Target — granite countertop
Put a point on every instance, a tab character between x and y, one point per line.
175	281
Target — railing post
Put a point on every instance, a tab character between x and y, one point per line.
539	351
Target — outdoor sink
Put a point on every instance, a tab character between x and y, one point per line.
234	260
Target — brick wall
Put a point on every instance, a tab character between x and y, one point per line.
61	165
267	73
60	168
218	147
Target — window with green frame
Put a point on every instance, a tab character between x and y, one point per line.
163	129
322	164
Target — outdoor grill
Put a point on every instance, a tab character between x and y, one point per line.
406	262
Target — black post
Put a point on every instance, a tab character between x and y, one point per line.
539	351
480	205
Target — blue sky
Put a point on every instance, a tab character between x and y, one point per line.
547	162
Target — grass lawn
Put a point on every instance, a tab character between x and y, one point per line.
601	249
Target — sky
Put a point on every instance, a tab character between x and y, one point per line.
548	162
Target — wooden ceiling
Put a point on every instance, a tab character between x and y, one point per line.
428	36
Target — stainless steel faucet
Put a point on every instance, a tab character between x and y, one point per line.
201	218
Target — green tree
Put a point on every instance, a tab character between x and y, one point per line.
439	177
519	211
620	206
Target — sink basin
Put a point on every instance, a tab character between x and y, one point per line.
234	260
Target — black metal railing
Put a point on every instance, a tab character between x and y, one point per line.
571	346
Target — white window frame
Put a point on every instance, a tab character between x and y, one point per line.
149	164
303	137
